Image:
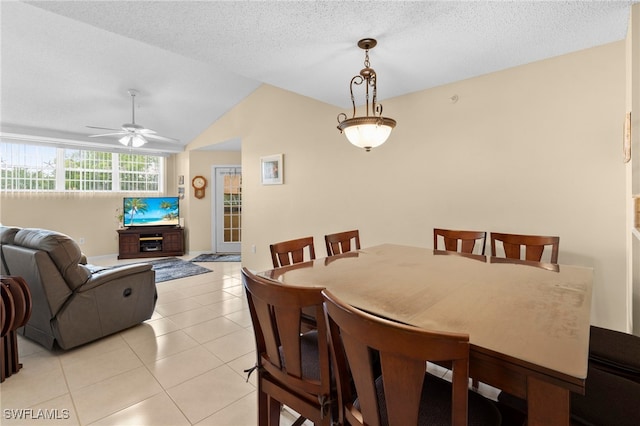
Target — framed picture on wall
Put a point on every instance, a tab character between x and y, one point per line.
271	169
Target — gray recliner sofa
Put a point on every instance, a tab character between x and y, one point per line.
73	302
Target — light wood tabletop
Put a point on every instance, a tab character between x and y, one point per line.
528	323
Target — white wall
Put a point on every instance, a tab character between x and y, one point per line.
534	149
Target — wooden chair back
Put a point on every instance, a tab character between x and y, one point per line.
460	241
534	246
293	367
403	352
342	242
289	252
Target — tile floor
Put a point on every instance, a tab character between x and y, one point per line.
184	366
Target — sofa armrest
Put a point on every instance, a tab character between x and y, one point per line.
106	275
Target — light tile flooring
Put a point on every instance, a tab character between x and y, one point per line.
184	366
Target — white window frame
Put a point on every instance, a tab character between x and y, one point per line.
60	179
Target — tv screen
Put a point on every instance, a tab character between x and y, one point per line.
151	211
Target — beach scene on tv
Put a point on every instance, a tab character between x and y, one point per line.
151	211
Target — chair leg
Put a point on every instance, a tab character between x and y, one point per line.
274	412
263	408
3	360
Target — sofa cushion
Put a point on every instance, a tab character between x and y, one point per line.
64	252
7	234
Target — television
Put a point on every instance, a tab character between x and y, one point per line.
150	211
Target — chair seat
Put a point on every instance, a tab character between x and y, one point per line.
435	406
309	349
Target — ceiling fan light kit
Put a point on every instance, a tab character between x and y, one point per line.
133	135
368	131
134	141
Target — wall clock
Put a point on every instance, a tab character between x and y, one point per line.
199	183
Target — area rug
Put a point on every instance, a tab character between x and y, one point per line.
173	268
211	257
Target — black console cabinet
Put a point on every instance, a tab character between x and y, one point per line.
154	241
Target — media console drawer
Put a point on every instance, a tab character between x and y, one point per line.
150	242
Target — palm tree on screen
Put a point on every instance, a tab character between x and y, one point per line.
171	208
135	206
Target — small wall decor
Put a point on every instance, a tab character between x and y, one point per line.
626	142
272	172
199	183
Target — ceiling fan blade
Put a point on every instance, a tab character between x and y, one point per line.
104	128
109	134
160	138
134	134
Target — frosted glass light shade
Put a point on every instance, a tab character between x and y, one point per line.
367	132
134	141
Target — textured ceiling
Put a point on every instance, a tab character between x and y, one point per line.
68	64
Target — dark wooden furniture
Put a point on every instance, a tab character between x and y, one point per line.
16	311
156	241
460	241
534	246
292	251
404	394
528	326
293	367
342	242
612	389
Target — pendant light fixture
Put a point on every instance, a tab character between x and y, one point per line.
367	131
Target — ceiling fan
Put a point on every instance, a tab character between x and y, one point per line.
133	135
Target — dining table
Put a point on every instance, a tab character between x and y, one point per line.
528	322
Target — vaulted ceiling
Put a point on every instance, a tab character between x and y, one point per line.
66	65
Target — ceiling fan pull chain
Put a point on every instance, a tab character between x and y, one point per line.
133	106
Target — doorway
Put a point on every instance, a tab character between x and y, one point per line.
227	209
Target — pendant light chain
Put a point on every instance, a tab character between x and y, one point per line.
371	129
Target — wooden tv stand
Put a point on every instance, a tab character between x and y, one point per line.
152	241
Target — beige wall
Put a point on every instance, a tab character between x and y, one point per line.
93	219
198	212
533	149
633	169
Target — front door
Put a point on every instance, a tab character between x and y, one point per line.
228	209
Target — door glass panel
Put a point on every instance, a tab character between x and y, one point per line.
228	209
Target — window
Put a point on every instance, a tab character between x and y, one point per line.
139	172
88	170
45	168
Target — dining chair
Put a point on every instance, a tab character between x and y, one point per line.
534	246
289	252
342	242
460	241
293	367
404	394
